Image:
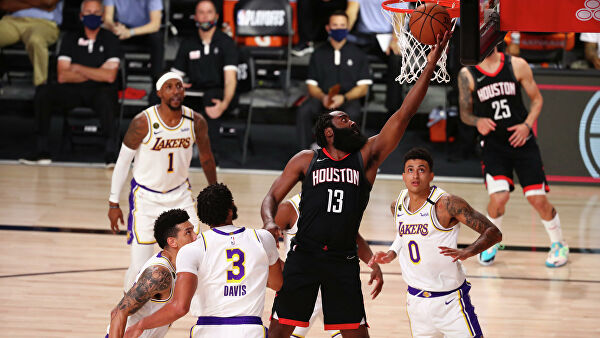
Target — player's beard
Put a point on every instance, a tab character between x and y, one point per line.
348	140
172	107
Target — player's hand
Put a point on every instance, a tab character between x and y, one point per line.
376	275
380	257
215	111
133	331
274	230
485	126
115	215
439	47
337	101
597	63
187	85
519	136
457	254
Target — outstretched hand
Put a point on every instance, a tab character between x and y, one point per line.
457	254
376	275
380	257
439	47
274	230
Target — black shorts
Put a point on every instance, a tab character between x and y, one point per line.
499	162
339	279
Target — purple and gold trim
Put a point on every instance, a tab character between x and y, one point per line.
241	320
228	233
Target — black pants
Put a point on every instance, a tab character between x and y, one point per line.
313	15
100	97
312	108
214	125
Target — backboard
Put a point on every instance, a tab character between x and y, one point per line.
479	29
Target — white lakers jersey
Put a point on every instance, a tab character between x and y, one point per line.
162	161
423	267
232	265
153	305
290	233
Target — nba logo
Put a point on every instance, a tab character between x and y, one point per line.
232	240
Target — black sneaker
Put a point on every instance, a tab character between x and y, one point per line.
302	49
39	158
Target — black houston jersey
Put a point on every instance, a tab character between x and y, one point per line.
498	96
334	197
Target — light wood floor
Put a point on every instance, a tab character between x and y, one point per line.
58	284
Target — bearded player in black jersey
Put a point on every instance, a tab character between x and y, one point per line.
336	183
490	99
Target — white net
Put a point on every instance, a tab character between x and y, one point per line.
414	53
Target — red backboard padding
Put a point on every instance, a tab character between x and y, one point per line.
550	16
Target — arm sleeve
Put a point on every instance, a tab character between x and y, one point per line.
180	63
364	74
155	5
120	172
189	258
268	242
397	245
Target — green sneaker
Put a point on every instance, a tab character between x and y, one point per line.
558	255
487	257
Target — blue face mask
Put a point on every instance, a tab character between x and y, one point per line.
205	26
338	34
92	21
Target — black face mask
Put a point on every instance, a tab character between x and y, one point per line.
348	140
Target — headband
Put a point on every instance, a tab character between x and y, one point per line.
166	77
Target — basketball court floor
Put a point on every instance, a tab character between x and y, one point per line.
62	270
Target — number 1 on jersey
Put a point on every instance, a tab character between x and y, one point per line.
339	196
170	169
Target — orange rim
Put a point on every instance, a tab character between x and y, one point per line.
453	6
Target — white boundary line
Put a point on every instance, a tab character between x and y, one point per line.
390	177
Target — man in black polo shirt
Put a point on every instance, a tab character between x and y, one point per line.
337	62
87	68
209	60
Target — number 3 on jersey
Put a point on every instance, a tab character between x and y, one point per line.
502	109
336	201
238	272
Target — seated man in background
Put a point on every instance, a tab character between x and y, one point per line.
87	68
35	23
337	62
371	31
543	49
209	60
138	23
591	43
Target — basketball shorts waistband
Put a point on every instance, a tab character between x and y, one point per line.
432	294
134	183
240	320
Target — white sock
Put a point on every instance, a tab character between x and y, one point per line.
553	229
497	221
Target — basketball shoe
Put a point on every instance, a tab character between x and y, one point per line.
487	257
558	255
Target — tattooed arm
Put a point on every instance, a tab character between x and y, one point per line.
452	209
466	86
154	280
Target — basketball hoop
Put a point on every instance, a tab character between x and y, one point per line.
414	53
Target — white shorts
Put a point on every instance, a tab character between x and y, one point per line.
220	328
451	315
145	206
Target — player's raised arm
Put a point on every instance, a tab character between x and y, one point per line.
294	171
137	131
454	208
381	145
207	160
155	279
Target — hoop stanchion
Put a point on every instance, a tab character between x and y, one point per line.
414	53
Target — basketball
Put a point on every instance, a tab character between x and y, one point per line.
429	20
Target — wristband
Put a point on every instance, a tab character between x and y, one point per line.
131	32
113	206
528	126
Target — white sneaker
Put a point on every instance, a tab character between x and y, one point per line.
558	255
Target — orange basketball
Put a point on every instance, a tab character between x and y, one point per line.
427	21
